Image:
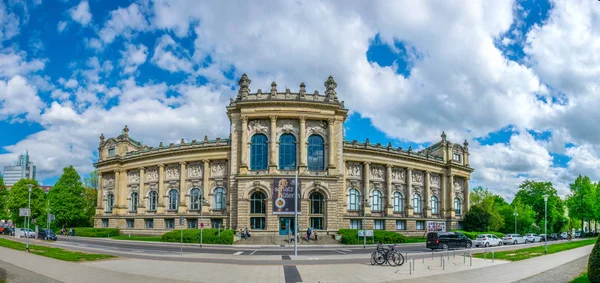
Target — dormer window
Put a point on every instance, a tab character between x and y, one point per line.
111	152
456	157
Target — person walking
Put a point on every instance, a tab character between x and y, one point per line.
308	234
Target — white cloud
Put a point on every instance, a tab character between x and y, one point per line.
15	63
132	57
61	26
81	13
9	23
168	55
124	22
18	98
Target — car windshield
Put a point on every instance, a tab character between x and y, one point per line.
481	236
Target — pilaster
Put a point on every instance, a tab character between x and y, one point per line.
143	199
244	146
467	194
100	193
205	185
388	192
273	145
451	196
366	185
182	177
427	198
331	158
303	156
161	188
443	196
409	195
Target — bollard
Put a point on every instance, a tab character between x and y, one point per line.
441	260
448	254
413	263
409	267
470	259
492	256
443	264
422	257
406	255
454	252
431	254
464	258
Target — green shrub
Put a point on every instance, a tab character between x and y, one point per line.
209	236
350	237
96	232
594	263
473	235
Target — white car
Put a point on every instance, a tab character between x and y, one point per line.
564	235
513	239
486	240
532	238
28	233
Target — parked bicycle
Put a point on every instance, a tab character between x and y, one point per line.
388	255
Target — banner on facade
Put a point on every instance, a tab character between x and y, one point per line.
433	226
283	196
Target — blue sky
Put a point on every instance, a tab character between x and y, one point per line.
511	78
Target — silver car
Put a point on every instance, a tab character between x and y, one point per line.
513	239
486	240
532	238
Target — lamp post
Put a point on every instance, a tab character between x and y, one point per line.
364	225
546	224
296	213
203	202
516	214
29	187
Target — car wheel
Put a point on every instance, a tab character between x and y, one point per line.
487	245
46	238
468	245
444	247
500	243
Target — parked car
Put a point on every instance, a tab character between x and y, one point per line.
578	234
513	239
47	234
553	237
532	238
27	233
486	240
564	236
447	240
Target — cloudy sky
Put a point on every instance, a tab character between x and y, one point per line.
518	80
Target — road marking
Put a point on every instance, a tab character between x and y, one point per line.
238	253
253	252
346	250
340	252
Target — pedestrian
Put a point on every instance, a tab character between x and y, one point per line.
316	236
308	234
247	233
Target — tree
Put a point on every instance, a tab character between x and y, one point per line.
92	180
594	264
477	219
90	207
68	199
18	197
3	200
525	218
491	203
581	202
532	193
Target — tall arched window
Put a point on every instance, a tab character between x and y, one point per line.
110	201
376	204
353	198
398	202
434	205
287	152
257	203
259	152
173	199
417	203
133	202
317	203
219	199
152	200
195	199
457	206
316	153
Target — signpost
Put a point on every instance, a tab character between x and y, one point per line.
24	212
365	234
51	217
181	225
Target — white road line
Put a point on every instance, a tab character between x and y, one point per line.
346	250
238	253
340	252
253	252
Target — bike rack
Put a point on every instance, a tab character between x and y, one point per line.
413	263
492	256
422	257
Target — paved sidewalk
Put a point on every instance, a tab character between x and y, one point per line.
564	273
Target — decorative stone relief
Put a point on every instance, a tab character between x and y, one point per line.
108	180
398	174
133	176
287	126
417	177
153	187
172	172
217	168
316	127
435	191
354	170
457	184
418	190
434	181
377	171
195	170
258	126
152	174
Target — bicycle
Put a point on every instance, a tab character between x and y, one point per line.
382	255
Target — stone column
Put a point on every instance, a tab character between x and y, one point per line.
427	198
366	181
182	190
467	194
442	196
273	144
142	191
451	195
389	205
205	184
303	141
118	193
409	196
161	186
244	145
100	193
330	132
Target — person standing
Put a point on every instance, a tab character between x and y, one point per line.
308	234
316	236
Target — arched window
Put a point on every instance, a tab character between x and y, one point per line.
316	153
219	199
457	206
110	201
195	199
353	197
133	202
398	202
152	200
417	203
287	152
259	152
376	204
317	203
434	205
173	199
257	203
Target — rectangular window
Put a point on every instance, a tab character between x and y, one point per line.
355	224
149	223
379	225
456	157
111	152
316	223
192	223
420	225
170	223
215	223
130	223
257	223
105	223
400	225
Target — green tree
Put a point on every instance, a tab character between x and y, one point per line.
594	264
532	193
491	203
525	218
92	180
68	200
478	219
18	197
90	207
3	200
581	201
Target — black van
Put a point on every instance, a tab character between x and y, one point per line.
447	240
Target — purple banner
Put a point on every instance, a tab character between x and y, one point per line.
283	196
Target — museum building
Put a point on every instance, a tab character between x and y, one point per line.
248	179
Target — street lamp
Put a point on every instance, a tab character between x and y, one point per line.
546	224
516	214
364	224
29	186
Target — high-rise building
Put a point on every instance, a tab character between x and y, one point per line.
23	168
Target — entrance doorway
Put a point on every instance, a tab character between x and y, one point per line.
286	225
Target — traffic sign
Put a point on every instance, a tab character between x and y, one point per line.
201	224
24	212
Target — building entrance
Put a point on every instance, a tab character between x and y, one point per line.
286	225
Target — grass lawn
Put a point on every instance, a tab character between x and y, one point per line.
139	238
417	239
581	279
54	252
538	251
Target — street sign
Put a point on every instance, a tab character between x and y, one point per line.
51	217
201	224
24	212
181	220
369	233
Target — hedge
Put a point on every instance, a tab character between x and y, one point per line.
96	232
594	263
350	237
209	236
473	235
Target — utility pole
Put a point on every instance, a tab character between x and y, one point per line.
29	186
364	228
296	212
516	214
546	224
